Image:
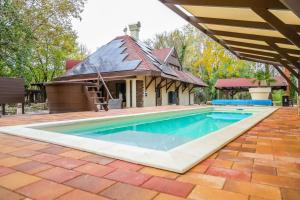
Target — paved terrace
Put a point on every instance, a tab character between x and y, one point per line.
264	163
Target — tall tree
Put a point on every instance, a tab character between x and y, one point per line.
215	62
53	39
15	39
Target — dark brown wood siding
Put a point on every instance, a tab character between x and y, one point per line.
12	90
67	97
139	93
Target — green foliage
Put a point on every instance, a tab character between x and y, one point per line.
263	76
44	31
15	40
186	42
277	95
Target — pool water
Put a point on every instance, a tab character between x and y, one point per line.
159	132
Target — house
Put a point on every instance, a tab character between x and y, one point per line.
141	76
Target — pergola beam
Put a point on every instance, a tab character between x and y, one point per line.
258	57
259	46
257	52
290	59
285	64
293	5
252	59
272	4
252	37
241	23
194	21
278	25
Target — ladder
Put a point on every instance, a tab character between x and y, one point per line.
100	78
97	102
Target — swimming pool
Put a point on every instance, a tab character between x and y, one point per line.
172	140
160	132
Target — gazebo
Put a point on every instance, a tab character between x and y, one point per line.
265	31
232	86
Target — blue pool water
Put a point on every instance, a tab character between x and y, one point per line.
159	132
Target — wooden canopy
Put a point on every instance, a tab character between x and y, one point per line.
265	31
243	84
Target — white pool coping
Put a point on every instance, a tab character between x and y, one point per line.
179	159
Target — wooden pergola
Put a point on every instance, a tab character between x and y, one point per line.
232	86
265	31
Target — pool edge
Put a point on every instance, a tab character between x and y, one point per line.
179	159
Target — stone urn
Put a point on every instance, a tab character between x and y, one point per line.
260	93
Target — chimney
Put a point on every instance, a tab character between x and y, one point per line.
125	30
135	30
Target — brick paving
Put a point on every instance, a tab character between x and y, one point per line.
262	164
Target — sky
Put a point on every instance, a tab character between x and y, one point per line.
103	20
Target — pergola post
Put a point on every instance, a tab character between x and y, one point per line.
288	88
3	109
299	84
286	78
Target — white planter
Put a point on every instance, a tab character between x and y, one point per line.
261	93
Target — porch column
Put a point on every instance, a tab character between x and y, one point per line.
288	88
131	93
128	91
298	80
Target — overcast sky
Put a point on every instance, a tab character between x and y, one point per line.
103	20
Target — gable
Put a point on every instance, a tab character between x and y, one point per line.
173	60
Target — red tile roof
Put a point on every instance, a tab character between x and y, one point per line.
135	52
150	60
162	53
247	82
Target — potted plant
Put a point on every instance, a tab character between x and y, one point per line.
263	80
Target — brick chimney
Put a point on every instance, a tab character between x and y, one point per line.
135	30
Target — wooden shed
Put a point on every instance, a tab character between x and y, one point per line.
68	96
12	90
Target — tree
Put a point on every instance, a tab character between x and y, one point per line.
186	41
15	40
215	62
53	39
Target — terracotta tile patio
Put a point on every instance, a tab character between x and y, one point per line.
263	163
